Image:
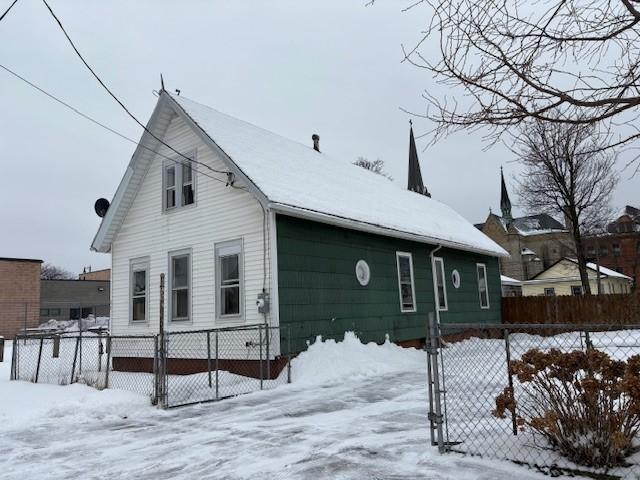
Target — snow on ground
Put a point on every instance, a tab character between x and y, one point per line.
353	412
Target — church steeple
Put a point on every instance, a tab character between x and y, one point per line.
415	183
505	203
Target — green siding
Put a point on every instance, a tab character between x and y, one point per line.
320	295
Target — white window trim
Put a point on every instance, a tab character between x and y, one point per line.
408	255
178	163
172	254
486	285
440	260
137	265
231	246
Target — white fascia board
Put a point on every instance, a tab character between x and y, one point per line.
377	229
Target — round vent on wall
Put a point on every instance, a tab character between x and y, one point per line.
455	278
363	274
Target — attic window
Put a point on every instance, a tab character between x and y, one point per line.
179	185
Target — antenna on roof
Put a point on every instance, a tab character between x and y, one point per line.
161	83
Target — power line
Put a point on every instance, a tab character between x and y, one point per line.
102	125
8	9
117	99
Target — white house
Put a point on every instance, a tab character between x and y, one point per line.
233	214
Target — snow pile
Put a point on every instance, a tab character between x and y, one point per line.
70	326
328	361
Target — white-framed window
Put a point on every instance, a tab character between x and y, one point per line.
180	286
550	291
483	288
229	279
178	184
139	290
576	289
441	286
406	284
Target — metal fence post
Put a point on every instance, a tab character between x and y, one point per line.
507	346
209	357
268	334
107	367
1	349
75	358
435	416
289	354
39	358
14	359
261	370
587	340
217	378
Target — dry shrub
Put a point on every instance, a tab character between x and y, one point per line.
585	404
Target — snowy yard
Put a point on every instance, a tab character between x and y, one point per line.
353	412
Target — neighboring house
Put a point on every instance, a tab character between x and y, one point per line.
619	249
88	274
73	299
534	242
332	247
563	278
19	295
510	286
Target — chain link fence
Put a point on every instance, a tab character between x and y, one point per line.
561	399
173	369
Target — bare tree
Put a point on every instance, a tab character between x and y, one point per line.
52	272
377	166
560	61
566	172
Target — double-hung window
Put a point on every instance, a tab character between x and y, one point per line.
441	287
405	282
179	284
139	290
229	291
179	185
483	288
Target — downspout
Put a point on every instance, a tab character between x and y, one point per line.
435	286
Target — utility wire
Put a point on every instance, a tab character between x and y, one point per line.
117	99
100	124
7	10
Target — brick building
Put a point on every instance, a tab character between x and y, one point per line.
534	242
103	275
619	249
19	295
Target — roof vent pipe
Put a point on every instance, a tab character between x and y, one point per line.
316	142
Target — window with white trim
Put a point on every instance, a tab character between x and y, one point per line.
178	183
180	286
483	288
406	282
549	291
139	290
229	291
441	287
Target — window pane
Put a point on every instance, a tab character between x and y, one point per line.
180	272
442	296
180	304
44	312
442	301
407	295
405	269
171	177
230	268
482	286
139	282
171	198
186	173
187	194
139	307
230	301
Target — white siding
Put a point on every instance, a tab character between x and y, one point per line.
220	214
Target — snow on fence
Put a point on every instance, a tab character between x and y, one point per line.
545	396
177	368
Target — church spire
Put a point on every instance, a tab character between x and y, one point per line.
415	183
505	203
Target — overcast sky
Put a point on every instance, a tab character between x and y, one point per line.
294	67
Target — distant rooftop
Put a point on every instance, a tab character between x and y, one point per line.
530	224
11	259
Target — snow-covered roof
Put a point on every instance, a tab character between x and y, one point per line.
509	281
295	179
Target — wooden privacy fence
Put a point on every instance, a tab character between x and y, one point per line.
617	309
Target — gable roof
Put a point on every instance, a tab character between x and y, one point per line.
528	225
604	271
292	178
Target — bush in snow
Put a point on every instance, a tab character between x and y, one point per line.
585	404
